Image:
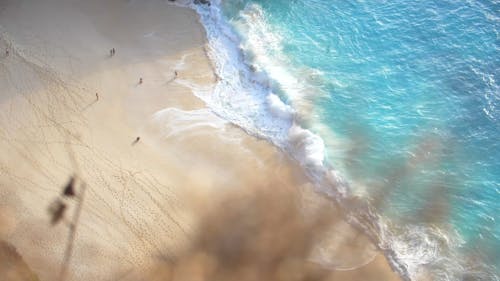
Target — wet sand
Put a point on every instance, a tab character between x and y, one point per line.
141	197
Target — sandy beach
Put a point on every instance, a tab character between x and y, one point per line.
70	108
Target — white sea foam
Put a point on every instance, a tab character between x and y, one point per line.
265	47
309	148
175	122
278	108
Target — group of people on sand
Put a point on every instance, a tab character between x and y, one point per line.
112	52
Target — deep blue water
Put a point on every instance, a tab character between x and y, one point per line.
405	96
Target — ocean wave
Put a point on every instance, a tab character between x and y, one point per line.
244	95
175	122
253	75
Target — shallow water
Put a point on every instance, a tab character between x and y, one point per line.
400	98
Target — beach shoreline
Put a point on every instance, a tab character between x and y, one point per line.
143	149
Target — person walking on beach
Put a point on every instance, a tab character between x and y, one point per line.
140	80
96	96
173	78
7	52
136	140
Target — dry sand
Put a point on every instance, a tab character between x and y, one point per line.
138	203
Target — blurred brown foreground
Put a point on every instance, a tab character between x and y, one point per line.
267	233
270	233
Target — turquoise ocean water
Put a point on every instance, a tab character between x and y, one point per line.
394	102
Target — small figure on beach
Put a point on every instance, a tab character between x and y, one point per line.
217	77
205	2
173	78
140	80
7	52
136	140
112	52
97	96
